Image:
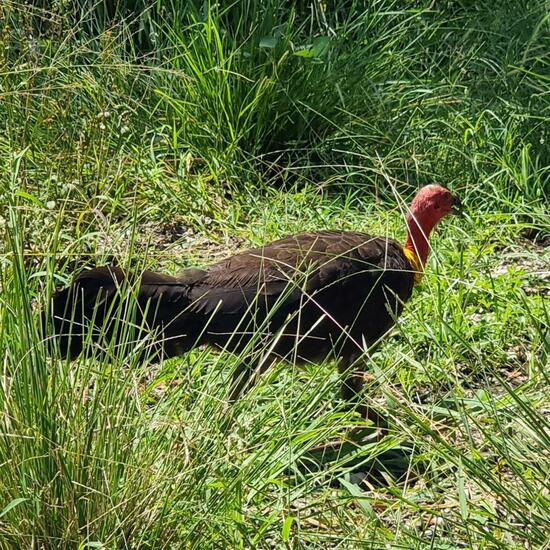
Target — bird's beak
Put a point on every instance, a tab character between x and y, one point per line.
457	207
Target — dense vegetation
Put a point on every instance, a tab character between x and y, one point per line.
170	133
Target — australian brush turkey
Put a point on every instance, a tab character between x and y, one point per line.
308	297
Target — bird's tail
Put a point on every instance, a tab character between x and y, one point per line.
107	310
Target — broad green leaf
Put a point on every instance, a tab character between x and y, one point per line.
15	502
268	42
305	52
361	498
29	197
287	527
321	46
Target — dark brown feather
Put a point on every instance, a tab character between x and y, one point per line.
329	293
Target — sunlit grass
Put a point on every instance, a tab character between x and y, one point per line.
214	134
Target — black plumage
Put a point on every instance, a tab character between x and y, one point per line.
329	292
307	297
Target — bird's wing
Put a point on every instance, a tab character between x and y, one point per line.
305	262
232	285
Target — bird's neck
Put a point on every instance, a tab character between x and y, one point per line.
417	237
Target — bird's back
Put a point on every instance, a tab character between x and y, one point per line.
318	293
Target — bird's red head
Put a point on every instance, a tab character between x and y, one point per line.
431	203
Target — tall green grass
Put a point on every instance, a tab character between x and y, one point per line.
455	92
169	134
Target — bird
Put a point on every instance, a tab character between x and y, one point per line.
304	298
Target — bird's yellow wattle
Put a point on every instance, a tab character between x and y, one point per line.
416	264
